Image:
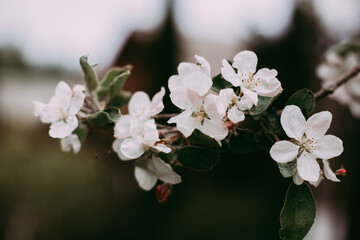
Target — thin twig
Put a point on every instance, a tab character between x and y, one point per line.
165	115
163	126
324	92
166	131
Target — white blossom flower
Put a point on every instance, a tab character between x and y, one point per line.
332	69
70	142
228	102
149	170
139	136
262	83
308	143
201	114
61	111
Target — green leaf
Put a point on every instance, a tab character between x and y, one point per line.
108	116
243	142
263	104
220	83
81	132
304	99
120	100
287	169
197	158
167	157
197	138
113	82
298	213
91	78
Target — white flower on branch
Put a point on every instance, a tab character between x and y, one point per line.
332	69
61	110
308	143
189	91
70	142
149	170
228	102
262	83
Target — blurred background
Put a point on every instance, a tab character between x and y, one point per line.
48	194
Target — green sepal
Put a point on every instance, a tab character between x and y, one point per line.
113	82
287	169
304	99
120	100
81	132
298	213
220	83
197	138
198	158
91	78
103	118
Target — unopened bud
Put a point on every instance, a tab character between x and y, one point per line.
341	171
163	192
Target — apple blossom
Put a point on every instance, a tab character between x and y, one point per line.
308	142
228	102
61	111
262	83
333	68
70	142
149	170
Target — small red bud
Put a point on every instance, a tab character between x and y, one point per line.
342	171
163	192
230	125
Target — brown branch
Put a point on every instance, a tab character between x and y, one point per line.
165	115
324	92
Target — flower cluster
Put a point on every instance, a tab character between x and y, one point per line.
336	65
61	112
308	143
208	111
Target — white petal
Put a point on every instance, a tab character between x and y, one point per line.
245	103
293	122
70	142
224	100
266	73
139	105
175	81
284	151
157	104
203	65
353	86
148	133
184	122
250	95
328	147
269	85
315	184
39	111
122	127
318	124
116	147
297	179
308	168
329	174
245	62
162	148
163	171
198	82
185	98
354	107
186	68
235	115
77	100
61	129
229	74
145	178
63	90
216	129
210	106
131	148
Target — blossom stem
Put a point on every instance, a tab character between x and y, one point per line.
324	92
171	130
165	115
163	126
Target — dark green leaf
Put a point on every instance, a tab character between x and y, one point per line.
298	213
90	75
197	158
108	116
287	169
197	138
243	142
304	99
81	131
167	157
263	104
220	83
120	100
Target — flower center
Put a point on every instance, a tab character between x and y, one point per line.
200	115
249	81
64	114
306	144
